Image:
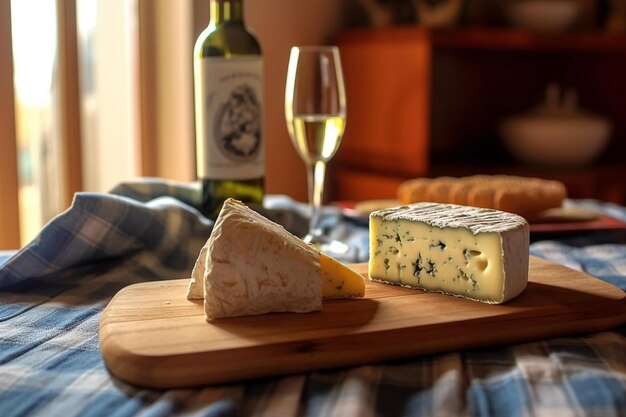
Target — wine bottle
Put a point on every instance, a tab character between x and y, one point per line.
228	90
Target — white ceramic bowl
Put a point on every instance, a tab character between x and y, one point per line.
547	16
556	141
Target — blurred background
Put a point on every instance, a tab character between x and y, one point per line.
94	92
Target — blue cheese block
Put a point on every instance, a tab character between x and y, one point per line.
469	252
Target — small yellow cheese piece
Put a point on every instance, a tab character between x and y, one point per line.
339	281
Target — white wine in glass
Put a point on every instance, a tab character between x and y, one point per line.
315	111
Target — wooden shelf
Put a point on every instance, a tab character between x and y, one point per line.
515	40
429	103
496	39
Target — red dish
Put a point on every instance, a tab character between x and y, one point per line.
580	221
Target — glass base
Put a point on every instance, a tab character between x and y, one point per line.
333	248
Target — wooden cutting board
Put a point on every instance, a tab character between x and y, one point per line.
152	336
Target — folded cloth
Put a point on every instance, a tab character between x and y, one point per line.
147	189
164	234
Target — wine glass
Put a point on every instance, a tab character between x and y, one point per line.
315	111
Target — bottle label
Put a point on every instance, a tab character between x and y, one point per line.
229	116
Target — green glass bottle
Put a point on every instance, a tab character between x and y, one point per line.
228	89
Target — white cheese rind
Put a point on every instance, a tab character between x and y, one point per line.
469	252
254	266
196	284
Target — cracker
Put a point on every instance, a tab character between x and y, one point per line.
412	191
438	189
481	195
526	196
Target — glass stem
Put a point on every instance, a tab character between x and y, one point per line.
316	175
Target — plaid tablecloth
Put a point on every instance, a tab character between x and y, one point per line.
53	291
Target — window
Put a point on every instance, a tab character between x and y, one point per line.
94	94
36	112
109	108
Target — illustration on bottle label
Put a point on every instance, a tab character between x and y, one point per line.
237	125
229	115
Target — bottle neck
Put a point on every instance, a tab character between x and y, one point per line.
222	11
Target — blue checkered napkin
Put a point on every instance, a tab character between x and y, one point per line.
609	209
102	230
5	255
147	189
53	292
606	261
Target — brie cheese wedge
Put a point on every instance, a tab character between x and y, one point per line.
251	265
